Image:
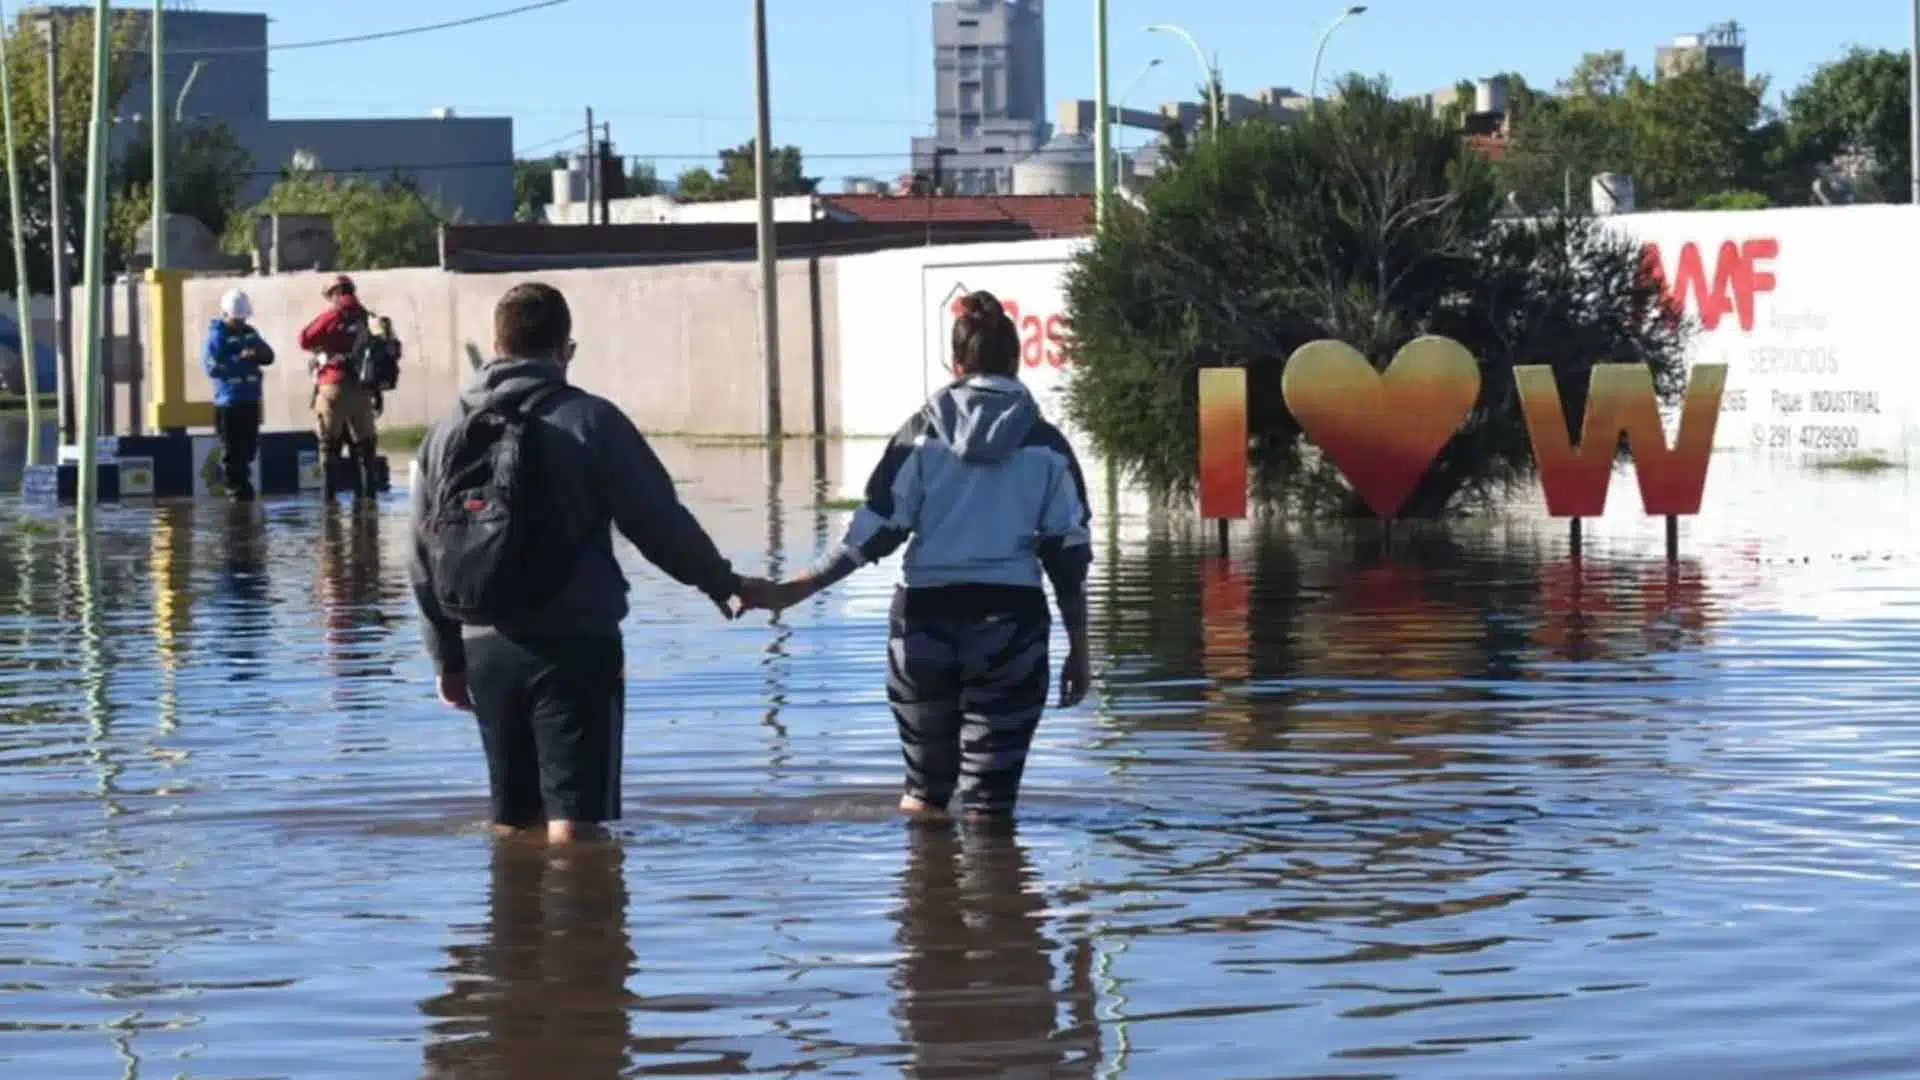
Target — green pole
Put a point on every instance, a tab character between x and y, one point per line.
159	129
1102	161
90	388
22	291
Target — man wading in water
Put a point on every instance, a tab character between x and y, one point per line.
991	495
515	496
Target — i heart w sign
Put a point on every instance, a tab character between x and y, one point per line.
1383	429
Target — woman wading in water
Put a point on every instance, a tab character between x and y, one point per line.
987	497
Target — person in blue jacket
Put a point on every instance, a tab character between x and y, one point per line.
234	356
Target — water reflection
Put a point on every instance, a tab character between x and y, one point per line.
777	666
1458	810
1285	622
977	979
542	992
352	585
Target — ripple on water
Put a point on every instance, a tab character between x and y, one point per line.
1469	811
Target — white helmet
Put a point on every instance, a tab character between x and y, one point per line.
235	305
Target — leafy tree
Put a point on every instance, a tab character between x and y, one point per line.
1369	221
1698	132
643	180
1734	200
1599	75
1856	107
377	224
1561	142
26	74
206	172
533	185
698	184
735	178
1173	141
1682	138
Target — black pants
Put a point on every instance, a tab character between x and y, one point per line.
238	427
967	678
552	711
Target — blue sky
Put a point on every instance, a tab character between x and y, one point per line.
852	79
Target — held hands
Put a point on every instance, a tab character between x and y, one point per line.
759	594
752	593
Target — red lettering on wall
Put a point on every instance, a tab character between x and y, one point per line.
1740	274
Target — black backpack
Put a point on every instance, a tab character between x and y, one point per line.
497	549
375	361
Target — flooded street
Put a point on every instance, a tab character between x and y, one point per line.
1464	811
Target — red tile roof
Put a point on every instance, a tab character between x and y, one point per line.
1046	215
1491	147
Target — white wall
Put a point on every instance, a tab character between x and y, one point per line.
896	321
1823	367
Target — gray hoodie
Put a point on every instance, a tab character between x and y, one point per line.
983	491
597	463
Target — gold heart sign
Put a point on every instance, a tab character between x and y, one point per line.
1381	430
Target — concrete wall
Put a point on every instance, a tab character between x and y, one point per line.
676	347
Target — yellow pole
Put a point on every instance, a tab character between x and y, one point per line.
22	291
90	386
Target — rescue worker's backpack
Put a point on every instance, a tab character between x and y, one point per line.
375	360
497	550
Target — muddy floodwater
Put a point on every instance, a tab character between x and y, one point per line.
1466	810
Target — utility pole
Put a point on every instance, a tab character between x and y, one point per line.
91	385
22	287
763	193
1913	105
588	166
57	244
1102	116
159	130
600	171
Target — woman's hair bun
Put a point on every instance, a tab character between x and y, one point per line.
980	306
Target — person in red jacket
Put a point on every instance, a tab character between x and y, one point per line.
343	408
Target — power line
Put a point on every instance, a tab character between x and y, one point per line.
379	35
545	143
710	156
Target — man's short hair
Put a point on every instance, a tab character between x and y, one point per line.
532	321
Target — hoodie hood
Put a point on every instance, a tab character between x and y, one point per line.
983	418
509	378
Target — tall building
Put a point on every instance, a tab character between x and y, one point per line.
990	93
216	70
1721	48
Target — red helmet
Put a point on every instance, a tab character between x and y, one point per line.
341	285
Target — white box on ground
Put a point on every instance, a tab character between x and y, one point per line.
136	476
311	478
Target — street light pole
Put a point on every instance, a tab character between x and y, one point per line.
763	194
1206	71
159	144
1120	109
22	290
90	382
1102	174
1913	105
1313	87
67	388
